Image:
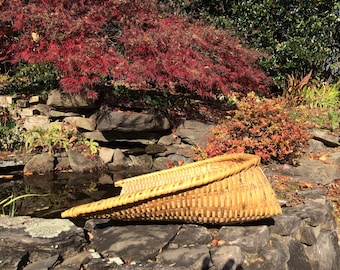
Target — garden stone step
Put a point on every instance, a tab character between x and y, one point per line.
58	99
81	122
326	137
315	171
311	243
130	121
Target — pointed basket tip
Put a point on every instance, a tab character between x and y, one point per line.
221	190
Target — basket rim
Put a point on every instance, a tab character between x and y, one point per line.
244	161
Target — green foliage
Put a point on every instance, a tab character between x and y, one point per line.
11	138
55	138
121	90
58	137
300	36
10	134
4	80
8	205
314	101
89	147
33	78
334	118
322	95
261	127
161	101
170	104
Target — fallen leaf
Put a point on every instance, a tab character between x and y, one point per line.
306	184
127	261
35	36
6	176
286	167
254	260
90	235
221	243
214	242
280	186
323	158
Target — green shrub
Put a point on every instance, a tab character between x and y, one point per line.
10	134
57	138
8	205
33	78
322	95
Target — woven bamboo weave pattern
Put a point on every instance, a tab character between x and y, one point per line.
225	189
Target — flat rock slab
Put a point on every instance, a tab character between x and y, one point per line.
250	239
326	137
227	257
130	121
194	132
190	235
131	242
314	171
197	257
25	239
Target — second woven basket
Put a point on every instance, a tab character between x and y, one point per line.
220	190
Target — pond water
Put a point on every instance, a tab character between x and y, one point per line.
55	192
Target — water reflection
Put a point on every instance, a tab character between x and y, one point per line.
63	191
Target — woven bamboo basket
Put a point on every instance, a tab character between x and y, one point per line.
221	190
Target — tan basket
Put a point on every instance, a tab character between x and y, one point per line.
220	190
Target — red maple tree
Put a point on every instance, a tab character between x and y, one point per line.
130	42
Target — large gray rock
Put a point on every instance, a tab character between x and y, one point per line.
81	122
273	256
249	239
324	254
131	242
80	163
98	136
192	258
194	132
314	171
106	154
335	158
130	122
62	100
227	257
285	224
141	137
143	162
297	256
36	121
47	263
41	163
326	137
190	235
28	240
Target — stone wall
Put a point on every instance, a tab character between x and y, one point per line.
303	237
136	141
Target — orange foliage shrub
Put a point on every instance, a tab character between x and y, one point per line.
262	127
